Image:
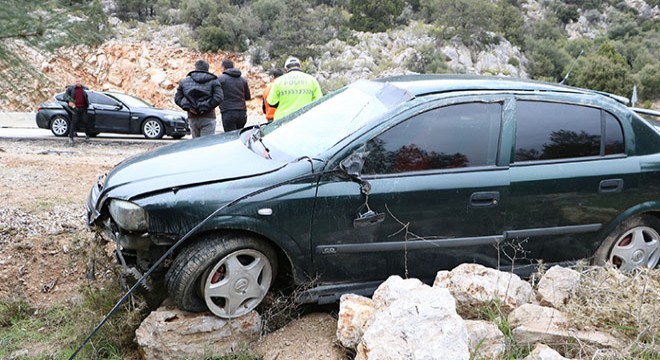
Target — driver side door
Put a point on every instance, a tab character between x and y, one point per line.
110	115
437	198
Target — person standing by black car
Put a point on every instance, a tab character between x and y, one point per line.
237	92
76	96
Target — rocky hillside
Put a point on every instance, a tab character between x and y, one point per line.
148	60
149	70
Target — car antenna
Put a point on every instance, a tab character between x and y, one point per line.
571	69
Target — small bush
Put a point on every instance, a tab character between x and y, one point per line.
514	62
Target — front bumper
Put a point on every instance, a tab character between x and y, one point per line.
177	128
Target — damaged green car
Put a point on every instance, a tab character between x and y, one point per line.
406	175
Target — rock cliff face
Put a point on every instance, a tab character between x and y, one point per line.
149	70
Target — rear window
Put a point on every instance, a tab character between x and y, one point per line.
551	131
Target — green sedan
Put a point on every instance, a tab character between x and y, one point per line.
407	175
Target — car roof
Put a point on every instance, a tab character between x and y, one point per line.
419	85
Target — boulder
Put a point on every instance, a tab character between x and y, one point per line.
423	324
355	312
544	352
485	339
535	323
475	285
170	333
556	286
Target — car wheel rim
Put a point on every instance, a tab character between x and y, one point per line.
59	126
637	247
237	283
152	128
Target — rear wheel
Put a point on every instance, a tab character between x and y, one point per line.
59	126
153	128
635	243
228	275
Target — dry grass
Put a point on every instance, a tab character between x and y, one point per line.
624	305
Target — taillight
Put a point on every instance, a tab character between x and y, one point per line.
39	108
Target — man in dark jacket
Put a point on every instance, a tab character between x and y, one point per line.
76	97
236	90
199	93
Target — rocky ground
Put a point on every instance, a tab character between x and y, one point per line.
45	253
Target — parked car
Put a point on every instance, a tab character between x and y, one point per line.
406	175
115	112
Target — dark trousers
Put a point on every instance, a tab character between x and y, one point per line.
79	118
233	119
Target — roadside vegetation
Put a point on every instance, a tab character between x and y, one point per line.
626	55
624	52
55	332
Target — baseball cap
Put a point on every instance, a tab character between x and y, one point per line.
291	62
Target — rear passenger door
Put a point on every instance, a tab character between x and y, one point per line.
569	177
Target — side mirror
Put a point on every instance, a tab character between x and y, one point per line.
353	164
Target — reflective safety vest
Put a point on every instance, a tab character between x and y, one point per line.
292	91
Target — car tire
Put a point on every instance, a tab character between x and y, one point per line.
59	126
227	275
153	128
634	243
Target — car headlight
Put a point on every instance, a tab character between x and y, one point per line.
128	215
173	118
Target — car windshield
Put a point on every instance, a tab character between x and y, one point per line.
130	101
323	123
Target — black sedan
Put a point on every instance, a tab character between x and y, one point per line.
115	112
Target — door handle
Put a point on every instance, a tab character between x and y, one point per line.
369	218
484	199
610	186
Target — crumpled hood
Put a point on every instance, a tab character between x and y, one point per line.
205	159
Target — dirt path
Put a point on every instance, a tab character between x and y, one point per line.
45	246
43	239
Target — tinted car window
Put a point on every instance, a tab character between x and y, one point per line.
613	135
547	131
444	138
95	98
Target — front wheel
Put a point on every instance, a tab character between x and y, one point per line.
228	275
59	126
153	129
634	243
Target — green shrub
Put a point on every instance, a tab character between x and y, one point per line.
649	81
213	38
374	15
514	62
471	21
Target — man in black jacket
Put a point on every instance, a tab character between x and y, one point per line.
236	90
76	97
199	93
